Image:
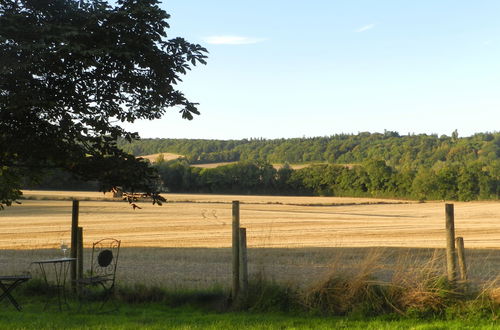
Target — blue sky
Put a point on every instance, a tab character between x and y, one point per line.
316	68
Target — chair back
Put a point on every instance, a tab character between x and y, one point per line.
105	259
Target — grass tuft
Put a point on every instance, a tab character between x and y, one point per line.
349	291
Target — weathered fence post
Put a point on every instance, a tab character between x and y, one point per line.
74	241
451	264
80	255
236	249
243	263
461	258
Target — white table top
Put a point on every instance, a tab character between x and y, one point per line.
54	261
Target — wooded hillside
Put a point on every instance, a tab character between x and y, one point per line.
420	167
399	151
385	165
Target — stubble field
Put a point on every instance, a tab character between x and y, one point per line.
187	240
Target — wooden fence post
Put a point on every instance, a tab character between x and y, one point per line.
79	259
74	241
236	249
451	264
461	258
243	263
80	253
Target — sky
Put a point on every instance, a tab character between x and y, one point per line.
283	69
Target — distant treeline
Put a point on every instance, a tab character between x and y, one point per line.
372	178
56	179
367	164
399	152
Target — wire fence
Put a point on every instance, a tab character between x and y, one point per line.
186	243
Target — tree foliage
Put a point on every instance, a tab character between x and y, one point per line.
366	164
373	178
399	151
71	73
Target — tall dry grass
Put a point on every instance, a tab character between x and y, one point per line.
492	290
345	288
420	284
412	285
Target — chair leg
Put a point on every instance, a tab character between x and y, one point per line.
97	303
7	293
108	295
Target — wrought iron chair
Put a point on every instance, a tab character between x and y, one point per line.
100	284
9	283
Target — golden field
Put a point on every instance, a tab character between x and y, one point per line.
166	156
186	242
271	221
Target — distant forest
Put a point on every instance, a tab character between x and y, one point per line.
366	164
407	151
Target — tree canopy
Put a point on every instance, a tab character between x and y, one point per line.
71	73
400	151
422	167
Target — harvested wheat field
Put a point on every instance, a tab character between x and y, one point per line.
187	239
166	156
205	221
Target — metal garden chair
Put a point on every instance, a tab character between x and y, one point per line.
8	284
100	284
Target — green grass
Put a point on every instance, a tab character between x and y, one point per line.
162	316
268	306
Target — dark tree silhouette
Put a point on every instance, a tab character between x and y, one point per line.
71	72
